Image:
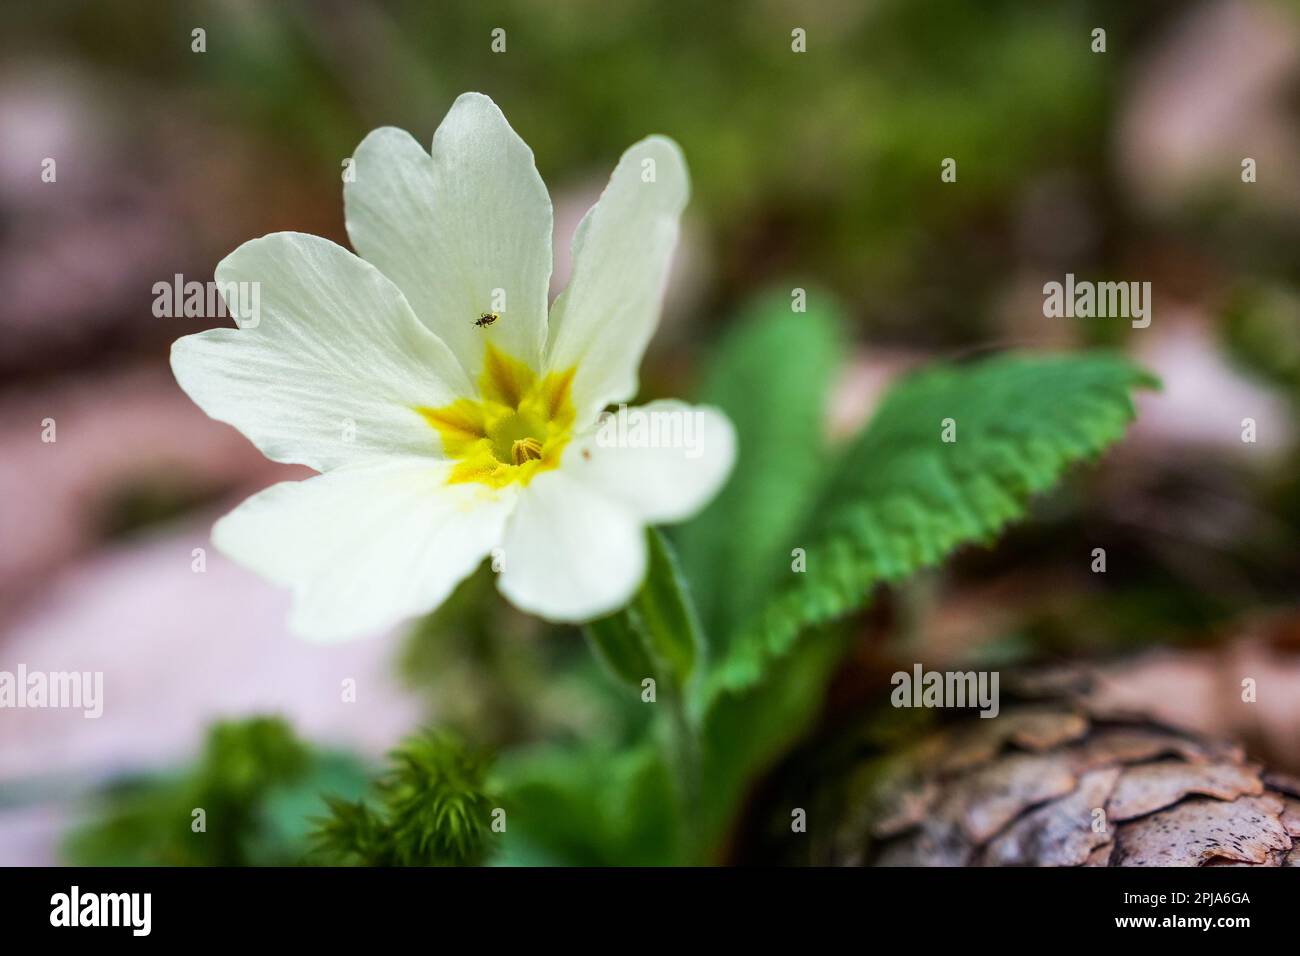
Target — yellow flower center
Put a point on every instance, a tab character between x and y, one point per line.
517	428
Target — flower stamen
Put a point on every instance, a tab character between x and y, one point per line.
526	449
517	426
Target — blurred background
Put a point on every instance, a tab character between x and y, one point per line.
817	169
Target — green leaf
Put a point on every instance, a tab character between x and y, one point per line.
901	498
656	635
746	730
589	806
770	376
665	609
618	641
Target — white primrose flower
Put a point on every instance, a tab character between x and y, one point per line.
449	417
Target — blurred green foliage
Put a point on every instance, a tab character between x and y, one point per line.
824	162
772	374
257	787
1262	331
147	502
591	804
500	678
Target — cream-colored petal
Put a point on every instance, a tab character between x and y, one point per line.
328	363
366	546
464	231
602	322
664	460
570	554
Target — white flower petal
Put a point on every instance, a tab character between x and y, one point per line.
664	462
621	253
570	554
332	369
453	228
365	546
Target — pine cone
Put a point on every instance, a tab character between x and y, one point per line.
1061	782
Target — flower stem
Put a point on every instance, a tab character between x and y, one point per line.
684	747
657	636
